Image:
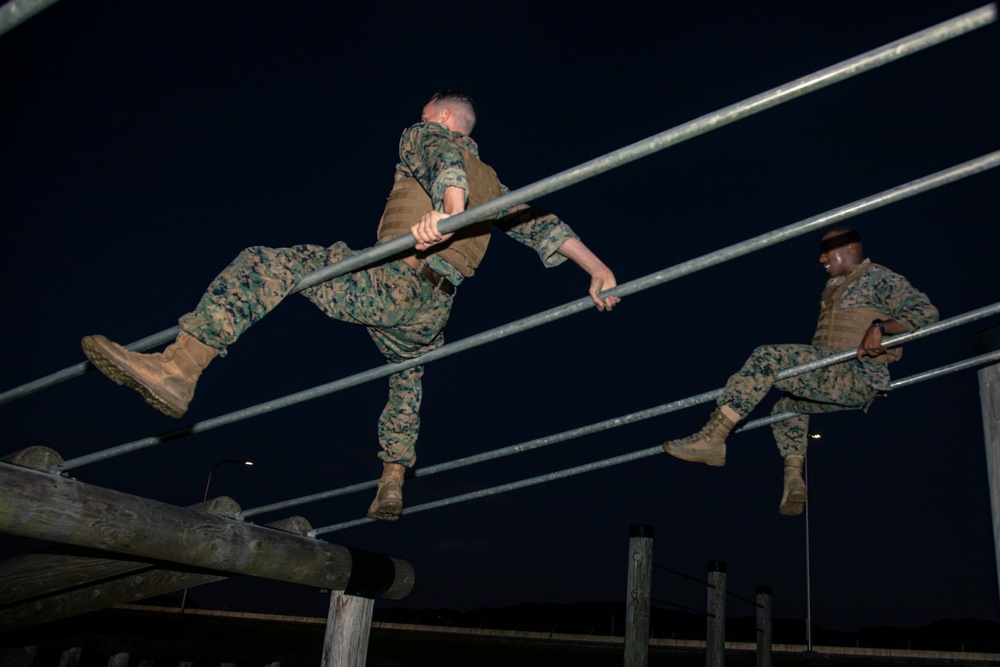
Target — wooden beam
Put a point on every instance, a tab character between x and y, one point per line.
50	507
82	600
36	457
294	524
63	566
44	573
65	581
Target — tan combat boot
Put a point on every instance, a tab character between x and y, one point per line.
709	444
388	503
794	496
165	379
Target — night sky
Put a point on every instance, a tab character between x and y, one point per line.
145	144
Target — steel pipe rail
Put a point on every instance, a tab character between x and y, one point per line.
635	417
913	43
973	362
837	215
773	97
16	12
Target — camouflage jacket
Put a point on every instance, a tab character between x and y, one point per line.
892	294
432	154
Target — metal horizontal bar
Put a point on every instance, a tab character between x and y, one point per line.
630	418
629	457
15	12
700	612
683	575
773	97
907	45
584	303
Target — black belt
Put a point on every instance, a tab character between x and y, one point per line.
436	279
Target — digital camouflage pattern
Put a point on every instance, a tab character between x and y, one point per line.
404	314
892	295
838	387
847	385
432	154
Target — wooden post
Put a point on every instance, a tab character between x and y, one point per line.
640	568
348	627
763	626
715	636
989	398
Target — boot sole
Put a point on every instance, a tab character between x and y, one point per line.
119	375
387	511
794	504
714	461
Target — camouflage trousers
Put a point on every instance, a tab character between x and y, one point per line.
838	387
404	314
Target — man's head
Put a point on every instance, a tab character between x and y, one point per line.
840	250
453	109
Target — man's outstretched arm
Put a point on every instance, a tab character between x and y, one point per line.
601	278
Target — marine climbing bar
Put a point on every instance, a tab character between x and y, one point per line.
905	46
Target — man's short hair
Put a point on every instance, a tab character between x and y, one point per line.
837	231
461	104
841	236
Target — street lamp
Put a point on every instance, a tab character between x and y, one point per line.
209	482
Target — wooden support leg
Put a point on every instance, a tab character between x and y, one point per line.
640	569
348	627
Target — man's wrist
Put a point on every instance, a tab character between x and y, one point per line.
880	324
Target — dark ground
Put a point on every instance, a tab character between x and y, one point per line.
168	638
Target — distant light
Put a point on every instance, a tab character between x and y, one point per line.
815	436
250	463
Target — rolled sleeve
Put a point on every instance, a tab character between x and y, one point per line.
917	312
548	246
431	155
537	229
450	177
896	297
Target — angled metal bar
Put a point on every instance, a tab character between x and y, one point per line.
617	460
15	12
641	415
734	112
905	46
584	303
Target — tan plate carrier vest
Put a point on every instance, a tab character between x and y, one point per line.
840	329
408	201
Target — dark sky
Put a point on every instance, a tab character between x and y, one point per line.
145	144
